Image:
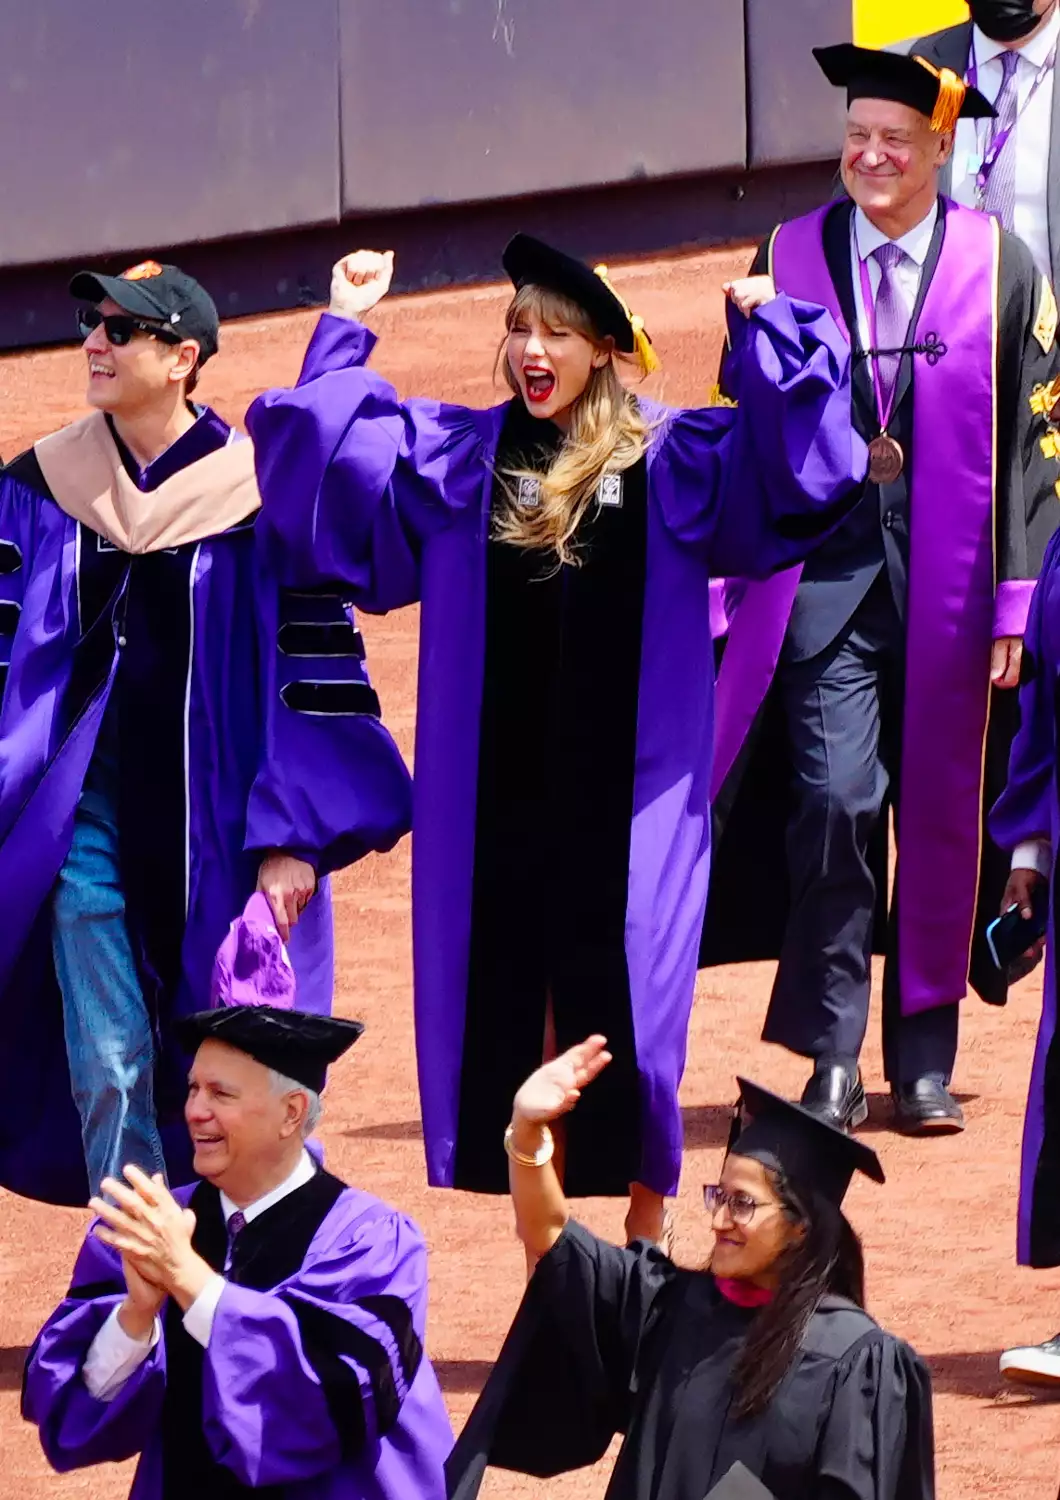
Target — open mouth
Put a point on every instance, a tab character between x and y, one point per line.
539	385
99	371
207	1142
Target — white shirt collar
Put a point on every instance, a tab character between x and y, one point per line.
916	243
1036	51
303	1173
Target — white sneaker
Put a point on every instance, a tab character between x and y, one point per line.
1037	1364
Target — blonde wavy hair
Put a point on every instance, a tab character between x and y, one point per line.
607	434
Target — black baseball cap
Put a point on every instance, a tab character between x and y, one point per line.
157	293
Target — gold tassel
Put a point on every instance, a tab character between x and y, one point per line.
646	355
950	101
719	398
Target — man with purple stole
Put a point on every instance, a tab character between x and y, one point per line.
880	674
263	1330
174	729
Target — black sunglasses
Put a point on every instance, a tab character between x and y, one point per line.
120	327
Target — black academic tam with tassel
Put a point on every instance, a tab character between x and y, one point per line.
530	262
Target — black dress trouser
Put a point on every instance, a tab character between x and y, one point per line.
844	716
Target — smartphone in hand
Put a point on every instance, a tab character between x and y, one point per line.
1009	937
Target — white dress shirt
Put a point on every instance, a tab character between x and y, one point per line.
1035	854
1030	139
864	239
113	1356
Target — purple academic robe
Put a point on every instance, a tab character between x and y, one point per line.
314	1381
234	755
982	510
1029	809
393	498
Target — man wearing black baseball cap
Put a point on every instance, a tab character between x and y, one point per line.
171	731
160	296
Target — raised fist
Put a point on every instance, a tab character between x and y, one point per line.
359	281
750	292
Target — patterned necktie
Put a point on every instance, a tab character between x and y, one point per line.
999	197
892	318
235	1226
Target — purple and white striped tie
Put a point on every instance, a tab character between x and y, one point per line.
999	197
892	319
235	1227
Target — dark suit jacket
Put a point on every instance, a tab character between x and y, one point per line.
952	49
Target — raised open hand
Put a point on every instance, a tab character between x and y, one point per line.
359	281
557	1086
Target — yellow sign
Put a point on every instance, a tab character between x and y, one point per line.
877	23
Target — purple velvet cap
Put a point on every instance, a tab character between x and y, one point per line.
252	966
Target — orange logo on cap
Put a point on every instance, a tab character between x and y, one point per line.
143	272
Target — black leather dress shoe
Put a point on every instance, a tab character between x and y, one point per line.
926	1107
836	1095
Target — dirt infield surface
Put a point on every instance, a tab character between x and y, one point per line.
940	1236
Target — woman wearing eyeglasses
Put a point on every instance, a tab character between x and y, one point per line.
765	1357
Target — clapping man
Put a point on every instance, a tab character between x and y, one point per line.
264	1329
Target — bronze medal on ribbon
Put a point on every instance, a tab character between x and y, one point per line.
886	459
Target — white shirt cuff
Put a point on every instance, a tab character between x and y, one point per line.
198	1320
1034	854
113	1356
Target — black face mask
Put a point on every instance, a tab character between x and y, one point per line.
1004	20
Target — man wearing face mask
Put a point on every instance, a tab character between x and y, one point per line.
880	676
1008	166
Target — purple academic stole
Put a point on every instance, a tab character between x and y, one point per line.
950	606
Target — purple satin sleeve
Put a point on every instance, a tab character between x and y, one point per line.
352	479
758	485
266	1415
19	518
75	1429
332	786
1012	603
1024	809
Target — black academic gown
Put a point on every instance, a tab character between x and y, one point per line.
613	1340
754	807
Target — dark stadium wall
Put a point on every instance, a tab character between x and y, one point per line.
254	140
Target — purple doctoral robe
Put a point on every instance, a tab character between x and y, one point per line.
982	509
314	1383
227	751
394	499
1029	809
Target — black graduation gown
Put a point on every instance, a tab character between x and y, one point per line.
753	808
613	1340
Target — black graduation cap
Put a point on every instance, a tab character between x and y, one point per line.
867	73
293	1042
530	262
785	1137
252	989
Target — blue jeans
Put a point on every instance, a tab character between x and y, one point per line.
109	1039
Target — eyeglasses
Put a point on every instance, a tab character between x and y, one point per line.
741	1206
120	327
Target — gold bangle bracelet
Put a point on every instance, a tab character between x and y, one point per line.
541	1156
